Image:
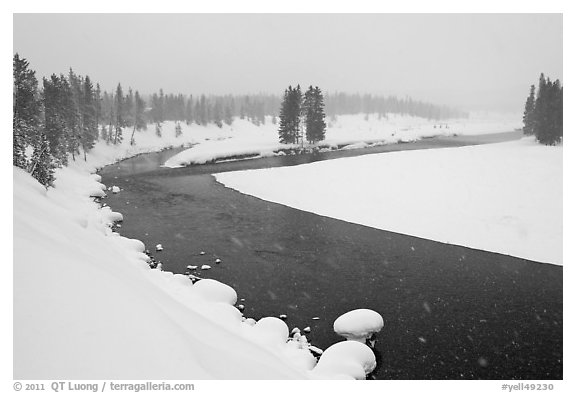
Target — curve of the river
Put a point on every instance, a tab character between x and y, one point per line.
450	312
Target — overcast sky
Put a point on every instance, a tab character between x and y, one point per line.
482	61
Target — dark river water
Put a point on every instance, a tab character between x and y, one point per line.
449	312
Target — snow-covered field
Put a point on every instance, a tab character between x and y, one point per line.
243	138
504	198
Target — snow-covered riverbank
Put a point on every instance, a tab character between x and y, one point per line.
348	132
504	198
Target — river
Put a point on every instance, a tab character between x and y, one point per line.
450	312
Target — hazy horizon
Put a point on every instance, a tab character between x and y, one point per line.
467	61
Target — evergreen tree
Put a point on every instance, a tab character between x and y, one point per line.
159	130
119	110
158	107
104	133
26	109
297	114
140	107
290	116
189	110
313	109
548	111
284	130
98	106
72	104
139	121
89	133
178	129
228	113
129	109
55	114
202	112
528	119
42	167
217	113
161	101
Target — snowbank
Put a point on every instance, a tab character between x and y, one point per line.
244	140
87	306
504	198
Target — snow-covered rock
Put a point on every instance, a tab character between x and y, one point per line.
115	189
205	267
358	325
347	360
159	247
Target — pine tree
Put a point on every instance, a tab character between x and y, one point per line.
72	103
18	146
178	129
119	110
202	112
42	167
528	119
291	116
159	130
104	133
97	107
228	113
189	111
284	130
217	113
297	115
139	121
313	108
26	110
548	112
89	133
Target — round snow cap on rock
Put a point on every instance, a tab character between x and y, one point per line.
348	359
215	291
358	325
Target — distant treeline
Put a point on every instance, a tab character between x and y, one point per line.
67	114
350	104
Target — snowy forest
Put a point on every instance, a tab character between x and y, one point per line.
67	114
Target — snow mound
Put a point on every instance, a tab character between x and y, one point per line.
272	331
215	291
345	360
110	216
358	325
